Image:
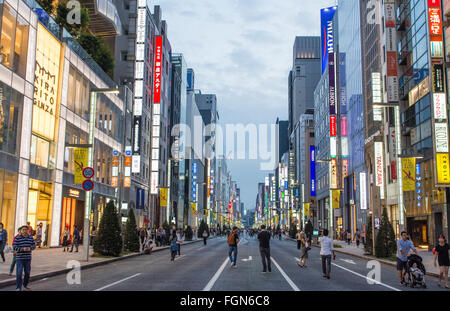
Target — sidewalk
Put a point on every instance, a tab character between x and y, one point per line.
53	261
428	257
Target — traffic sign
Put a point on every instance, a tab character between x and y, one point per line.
88	185
88	172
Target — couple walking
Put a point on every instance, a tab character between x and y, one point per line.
264	248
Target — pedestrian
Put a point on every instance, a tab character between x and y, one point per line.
205	237
142	236
326	250
163	237
3	240
279	234
349	237
233	240
173	246
357	237
363	236
93	234
24	244
264	249
66	239
39	235
30	229
306	247
442	253
75	239
404	245
299	239
158	237
179	241
13	262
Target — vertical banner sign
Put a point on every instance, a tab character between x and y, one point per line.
419	185
127	168
391	52
336	196
377	97
332	85
163	197
115	169
392	148
379	166
312	166
362	190
409	174
326	27
334	183
156	111
439	120
80	160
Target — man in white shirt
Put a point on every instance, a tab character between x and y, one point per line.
326	250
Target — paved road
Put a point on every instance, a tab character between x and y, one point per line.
208	268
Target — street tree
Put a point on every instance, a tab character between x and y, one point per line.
131	236
108	241
385	244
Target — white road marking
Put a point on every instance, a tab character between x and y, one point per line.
292	284
216	276
180	257
365	277
248	259
349	261
118	282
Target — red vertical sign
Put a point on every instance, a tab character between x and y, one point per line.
157	76
332	125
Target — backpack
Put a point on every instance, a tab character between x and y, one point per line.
230	239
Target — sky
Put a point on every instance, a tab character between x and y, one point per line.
241	50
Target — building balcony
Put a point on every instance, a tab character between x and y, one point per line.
105	20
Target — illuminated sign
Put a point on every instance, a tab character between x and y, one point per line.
327	35
158	72
436	47
74	193
332	125
379	166
333	147
331	85
334	183
438	78
344	147
344	131
362	191
440	106
435	22
443	168
46	90
312	153
441	137
376	88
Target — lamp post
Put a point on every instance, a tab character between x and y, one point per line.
90	162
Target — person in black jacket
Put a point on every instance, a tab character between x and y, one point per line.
264	249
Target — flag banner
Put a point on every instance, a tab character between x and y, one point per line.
409	174
80	158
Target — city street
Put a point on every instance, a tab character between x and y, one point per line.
207	268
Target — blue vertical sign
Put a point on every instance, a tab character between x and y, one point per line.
194	182
327	34
140	198
312	165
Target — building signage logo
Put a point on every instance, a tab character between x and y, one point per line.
158	73
379	177
362	190
312	153
441	137
327	35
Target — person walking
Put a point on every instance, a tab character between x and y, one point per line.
39	235
13	262
299	239
233	240
264	249
205	237
66	239
306	247
142	236
23	244
3	240
179	241
173	246
357	237
326	250
363	236
75	239
404	245
349	237
92	236
442	254
163	237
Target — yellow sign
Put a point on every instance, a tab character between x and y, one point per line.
443	168
409	174
290	213
214	215
306	206
163	197
46	84
206	212
193	208
80	161
336	197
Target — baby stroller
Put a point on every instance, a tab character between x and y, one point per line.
416	275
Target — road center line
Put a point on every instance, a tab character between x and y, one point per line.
216	276
365	277
118	282
292	284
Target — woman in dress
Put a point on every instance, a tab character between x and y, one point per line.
66	239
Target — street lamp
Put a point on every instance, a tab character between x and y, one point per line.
90	162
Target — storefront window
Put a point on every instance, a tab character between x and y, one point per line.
10	121
8	189
14	40
78	93
40	207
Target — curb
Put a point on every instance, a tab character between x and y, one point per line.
37	277
386	262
